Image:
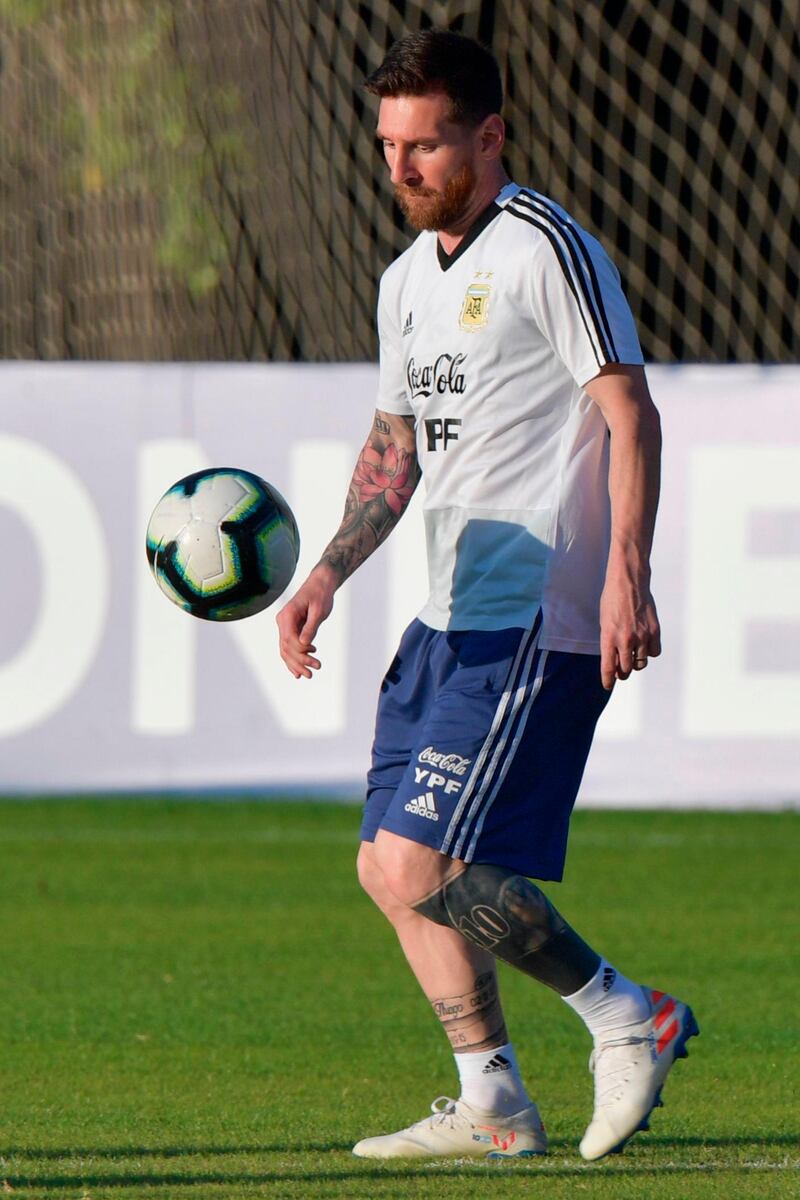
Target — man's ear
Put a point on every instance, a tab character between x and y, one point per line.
492	136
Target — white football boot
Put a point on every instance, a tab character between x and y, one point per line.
629	1072
456	1130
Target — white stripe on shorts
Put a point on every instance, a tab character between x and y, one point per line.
496	738
534	692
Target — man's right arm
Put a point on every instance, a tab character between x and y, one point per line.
386	474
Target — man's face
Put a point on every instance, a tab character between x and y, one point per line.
432	160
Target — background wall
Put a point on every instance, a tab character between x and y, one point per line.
197	180
104	684
193	179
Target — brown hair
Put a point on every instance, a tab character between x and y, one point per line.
438	60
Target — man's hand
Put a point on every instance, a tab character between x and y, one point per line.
629	629
299	620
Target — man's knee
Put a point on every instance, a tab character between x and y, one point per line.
372	880
410	871
369	873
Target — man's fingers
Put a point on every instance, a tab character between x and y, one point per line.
608	666
636	658
301	664
629	631
309	630
305	670
296	644
625	661
649	647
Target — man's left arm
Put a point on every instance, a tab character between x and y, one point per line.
629	629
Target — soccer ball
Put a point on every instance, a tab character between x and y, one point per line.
222	544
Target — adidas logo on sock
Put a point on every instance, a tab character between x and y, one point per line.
498	1063
423	806
609	975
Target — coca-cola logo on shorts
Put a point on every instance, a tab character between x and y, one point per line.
453	763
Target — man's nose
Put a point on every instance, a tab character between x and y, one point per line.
402	169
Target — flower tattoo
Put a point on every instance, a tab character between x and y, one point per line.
382	485
384	475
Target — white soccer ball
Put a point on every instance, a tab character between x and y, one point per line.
222	544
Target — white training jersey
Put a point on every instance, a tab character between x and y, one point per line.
490	349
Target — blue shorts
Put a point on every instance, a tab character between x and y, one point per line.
480	744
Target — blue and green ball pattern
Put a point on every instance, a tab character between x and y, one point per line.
222	544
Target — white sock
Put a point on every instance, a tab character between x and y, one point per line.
491	1081
609	1001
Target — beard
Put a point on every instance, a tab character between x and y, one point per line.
425	208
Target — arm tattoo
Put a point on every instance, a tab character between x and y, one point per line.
473	1022
383	482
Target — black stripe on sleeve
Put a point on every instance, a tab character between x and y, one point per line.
543	227
547	209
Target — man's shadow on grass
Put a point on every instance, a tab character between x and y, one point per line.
54	1154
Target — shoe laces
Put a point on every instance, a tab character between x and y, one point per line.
443	1112
610	1063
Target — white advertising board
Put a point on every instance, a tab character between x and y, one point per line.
105	685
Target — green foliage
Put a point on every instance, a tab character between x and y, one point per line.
21	13
132	118
198	1001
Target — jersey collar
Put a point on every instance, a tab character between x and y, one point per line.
475	230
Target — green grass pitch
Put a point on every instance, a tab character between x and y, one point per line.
196	1001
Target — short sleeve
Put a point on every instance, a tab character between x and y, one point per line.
578	303
392	394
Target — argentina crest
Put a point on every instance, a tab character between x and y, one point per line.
475	309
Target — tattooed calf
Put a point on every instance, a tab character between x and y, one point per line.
473	1021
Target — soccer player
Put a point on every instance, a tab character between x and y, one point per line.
511	378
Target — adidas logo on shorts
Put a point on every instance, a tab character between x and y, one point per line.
423	806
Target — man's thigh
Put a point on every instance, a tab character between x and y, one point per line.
487	769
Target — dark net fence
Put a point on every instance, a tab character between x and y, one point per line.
198	179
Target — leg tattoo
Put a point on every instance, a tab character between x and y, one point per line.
509	916
467	1018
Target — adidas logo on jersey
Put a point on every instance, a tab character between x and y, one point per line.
409	325
609	975
498	1063
423	806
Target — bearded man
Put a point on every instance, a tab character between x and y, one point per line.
511	378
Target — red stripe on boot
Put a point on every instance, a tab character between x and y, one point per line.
666	1011
667	1037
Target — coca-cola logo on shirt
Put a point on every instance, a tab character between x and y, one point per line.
441	376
